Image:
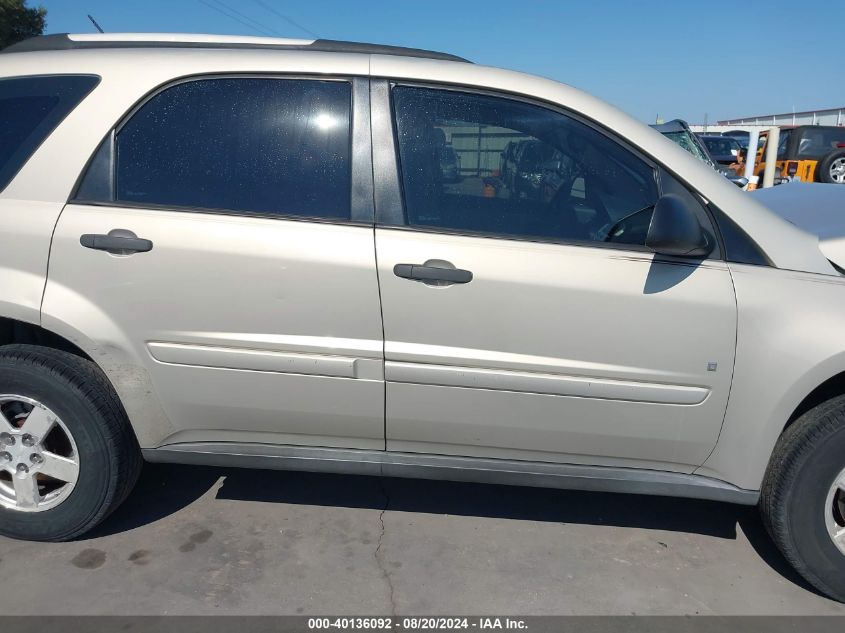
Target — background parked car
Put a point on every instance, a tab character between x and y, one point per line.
530	169
679	132
809	153
740	136
723	149
524	171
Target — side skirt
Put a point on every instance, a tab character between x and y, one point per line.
445	467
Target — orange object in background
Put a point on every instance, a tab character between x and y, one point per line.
809	153
489	191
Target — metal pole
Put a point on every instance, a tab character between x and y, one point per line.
772	141
751	153
94	22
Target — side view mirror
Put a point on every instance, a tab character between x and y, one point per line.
739	181
675	230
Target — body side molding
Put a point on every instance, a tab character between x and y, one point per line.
543	383
266	360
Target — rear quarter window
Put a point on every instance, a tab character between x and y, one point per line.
30	109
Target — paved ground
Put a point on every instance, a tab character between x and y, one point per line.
194	540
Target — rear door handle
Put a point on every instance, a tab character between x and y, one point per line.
422	272
117	242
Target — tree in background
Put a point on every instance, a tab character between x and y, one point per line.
18	22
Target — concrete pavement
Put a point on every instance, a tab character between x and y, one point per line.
194	540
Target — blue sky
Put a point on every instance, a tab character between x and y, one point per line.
678	59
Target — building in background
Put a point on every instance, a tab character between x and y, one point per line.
828	116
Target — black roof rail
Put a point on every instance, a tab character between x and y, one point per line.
64	42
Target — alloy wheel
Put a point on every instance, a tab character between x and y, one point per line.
39	461
834	512
837	171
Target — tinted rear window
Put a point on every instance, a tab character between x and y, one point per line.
817	142
30	109
253	145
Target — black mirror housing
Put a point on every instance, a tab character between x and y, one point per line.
675	230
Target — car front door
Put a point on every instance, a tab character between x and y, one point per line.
222	243
540	327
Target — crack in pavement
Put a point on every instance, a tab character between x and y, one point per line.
378	553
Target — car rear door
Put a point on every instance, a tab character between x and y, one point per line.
221	242
539	327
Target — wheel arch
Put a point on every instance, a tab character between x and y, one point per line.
763	404
17	331
823	391
830	388
129	379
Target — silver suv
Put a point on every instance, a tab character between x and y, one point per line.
245	252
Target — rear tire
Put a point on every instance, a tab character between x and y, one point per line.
74	394
801	505
831	168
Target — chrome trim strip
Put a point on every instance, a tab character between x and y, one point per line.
541	383
444	467
264	360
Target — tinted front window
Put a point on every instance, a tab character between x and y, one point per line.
30	109
525	171
273	146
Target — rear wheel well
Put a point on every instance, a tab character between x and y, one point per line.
14	331
830	388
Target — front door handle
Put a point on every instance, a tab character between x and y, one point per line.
422	272
117	242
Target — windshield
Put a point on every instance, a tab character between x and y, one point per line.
740	137
685	140
722	146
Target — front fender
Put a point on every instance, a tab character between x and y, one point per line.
790	339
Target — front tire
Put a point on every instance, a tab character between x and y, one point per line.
68	456
803	496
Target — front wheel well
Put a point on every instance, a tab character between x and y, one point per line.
830	388
15	331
